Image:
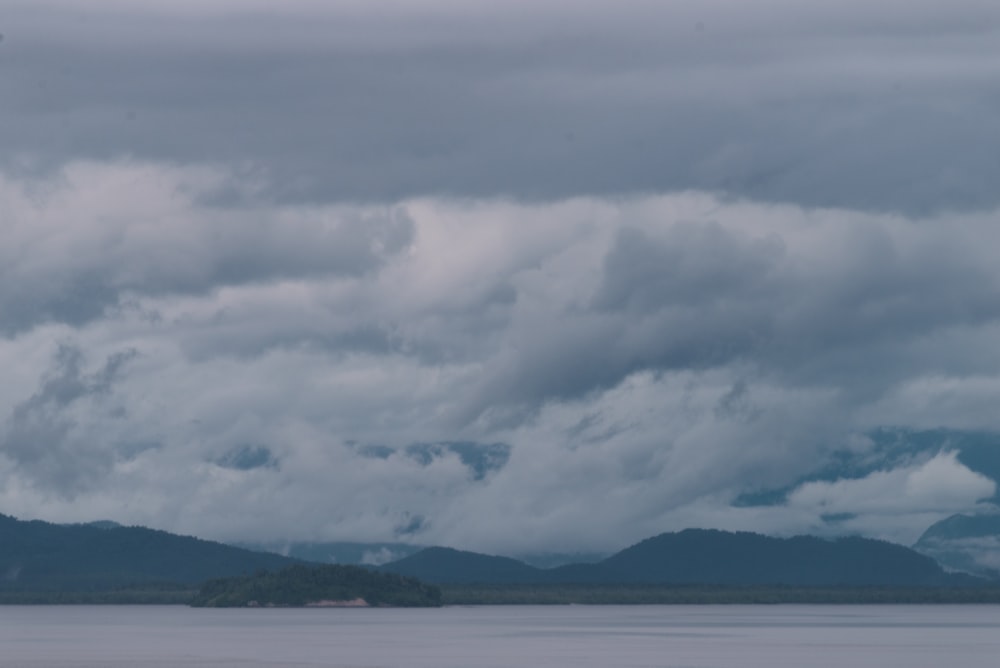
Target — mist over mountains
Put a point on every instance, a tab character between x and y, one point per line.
886	473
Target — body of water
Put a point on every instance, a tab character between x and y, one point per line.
793	636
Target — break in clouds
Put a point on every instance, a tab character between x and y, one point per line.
550	279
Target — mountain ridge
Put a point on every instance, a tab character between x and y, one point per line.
41	556
703	556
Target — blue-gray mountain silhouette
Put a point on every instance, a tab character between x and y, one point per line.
697	556
39	556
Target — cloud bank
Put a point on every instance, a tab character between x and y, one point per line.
591	370
885	106
513	277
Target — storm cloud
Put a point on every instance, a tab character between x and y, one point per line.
876	106
516	279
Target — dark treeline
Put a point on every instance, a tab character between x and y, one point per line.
559	594
305	585
562	595
162	595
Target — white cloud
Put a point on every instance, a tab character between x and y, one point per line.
897	504
940	484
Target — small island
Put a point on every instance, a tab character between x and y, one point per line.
318	586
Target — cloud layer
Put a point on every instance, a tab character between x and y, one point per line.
485	373
885	106
507	276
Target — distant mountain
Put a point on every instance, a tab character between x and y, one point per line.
337	552
968	543
697	556
555	559
719	557
376	554
445	565
39	556
964	526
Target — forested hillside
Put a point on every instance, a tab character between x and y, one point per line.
318	585
698	556
39	556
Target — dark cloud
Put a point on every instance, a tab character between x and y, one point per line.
38	436
878	108
696	265
695	295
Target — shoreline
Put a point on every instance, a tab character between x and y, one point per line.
589	595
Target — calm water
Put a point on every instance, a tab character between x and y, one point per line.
539	637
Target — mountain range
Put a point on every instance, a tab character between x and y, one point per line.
968	543
699	556
40	556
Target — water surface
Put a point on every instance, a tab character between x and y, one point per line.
790	636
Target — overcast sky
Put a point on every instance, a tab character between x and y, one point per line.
505	276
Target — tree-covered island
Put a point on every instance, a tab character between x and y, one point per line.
318	586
